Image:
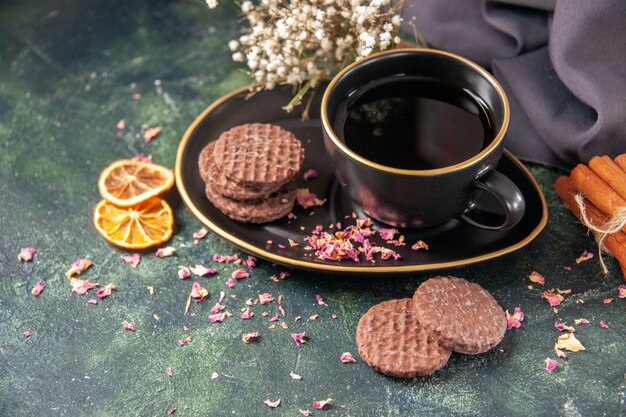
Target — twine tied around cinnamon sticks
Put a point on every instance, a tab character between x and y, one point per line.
613	225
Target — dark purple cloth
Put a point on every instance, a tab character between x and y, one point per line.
561	62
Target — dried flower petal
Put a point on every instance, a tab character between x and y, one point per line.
299	338
272	404
200	234
171	411
247	314
198	292
581	321
320	300
240	274
183	272
307	199
550	364
306	413
621	291
217	308
553	298
603	324
217	318
132	260
38	288
106	291
78	268
215	375
314	317
26	333
201	270
563	327
585	256
569	342
151	133
250	337
165	252
128	326
265	298
81	286
225	258
250	262
346	357
309	174
333	316
92	301
169	371
182	342
420	244
230	282
142	158
560	353
515	319
608	300
26	254
274	318
322	404
537	278
121	124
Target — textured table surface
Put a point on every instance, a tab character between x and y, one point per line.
68	73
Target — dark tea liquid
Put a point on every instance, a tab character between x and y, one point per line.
414	123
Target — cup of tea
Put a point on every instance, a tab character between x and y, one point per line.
414	136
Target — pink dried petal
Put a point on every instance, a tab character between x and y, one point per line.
169	371
585	256
551	364
283	274
563	327
293	243
309	174
165	252
128	326
322	404
420	244
200	233
217	308
240	274
282	310
553	298
603	324
387	233
201	270
536	277
307	199
230	282
272	404
608	300
299	338
280	245
182	342
142	158
333	316
320	300
265	298
106	291
561	354
581	321
171	411
515	319
274	318
132	260
151	133
121	124
346	357
198	292
250	337
217	318
26	333
250	262
26	254
284	325
306	413
621	291
567	268
247	314
136	96
314	317
81	286
225	258
38	288
92	301
78	268
183	272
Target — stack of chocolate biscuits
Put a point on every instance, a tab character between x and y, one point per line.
250	172
415	337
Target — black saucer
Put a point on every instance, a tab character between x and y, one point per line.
452	244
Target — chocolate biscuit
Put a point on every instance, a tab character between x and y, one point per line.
458	314
258	155
391	341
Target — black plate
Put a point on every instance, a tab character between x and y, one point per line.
452	244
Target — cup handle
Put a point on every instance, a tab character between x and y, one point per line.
506	193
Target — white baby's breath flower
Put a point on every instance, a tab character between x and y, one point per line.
212	4
233	45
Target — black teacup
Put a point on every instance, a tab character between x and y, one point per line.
414	136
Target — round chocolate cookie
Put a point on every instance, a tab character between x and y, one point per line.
265	210
391	341
259	155
205	161
460	315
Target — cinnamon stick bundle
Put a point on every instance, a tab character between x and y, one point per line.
610	172
615	243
